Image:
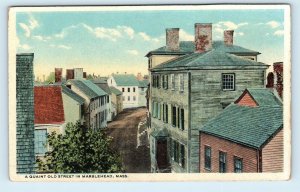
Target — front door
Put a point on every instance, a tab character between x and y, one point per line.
162	153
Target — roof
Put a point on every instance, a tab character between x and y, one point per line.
125	80
250	126
213	58
48	105
263	97
115	91
90	89
72	94
102	84
187	47
144	83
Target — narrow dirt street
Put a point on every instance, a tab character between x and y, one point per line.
130	139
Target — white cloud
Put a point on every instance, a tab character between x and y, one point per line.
22	47
128	30
33	23
273	24
279	33
240	33
184	36
145	36
230	25
41	38
61	46
25	28
133	52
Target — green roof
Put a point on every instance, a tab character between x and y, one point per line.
115	91
143	83
125	80
102	84
250	126
72	94
88	88
213	58
264	97
187	47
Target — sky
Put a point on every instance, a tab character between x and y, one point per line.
105	42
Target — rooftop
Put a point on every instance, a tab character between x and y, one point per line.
102	84
125	80
72	94
48	105
144	83
115	91
90	89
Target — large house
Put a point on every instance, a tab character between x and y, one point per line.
95	102
129	86
246	137
192	82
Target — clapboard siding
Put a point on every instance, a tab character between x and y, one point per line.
208	99
272	154
231	149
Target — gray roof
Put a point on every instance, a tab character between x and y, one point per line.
250	126
213	58
125	80
103	85
144	83
72	94
88	88
115	91
187	47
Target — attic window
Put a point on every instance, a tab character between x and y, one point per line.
228	82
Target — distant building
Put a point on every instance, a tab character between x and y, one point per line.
48	115
116	100
246	137
129	86
25	157
192	82
143	86
95	102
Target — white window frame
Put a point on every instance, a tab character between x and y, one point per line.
228	86
172	81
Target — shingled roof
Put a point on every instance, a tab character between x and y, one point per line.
72	94
102	84
88	88
187	47
250	126
213	58
125	80
48	105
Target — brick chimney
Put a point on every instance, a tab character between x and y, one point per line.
84	75
58	75
172	39
228	37
203	37
70	74
278	71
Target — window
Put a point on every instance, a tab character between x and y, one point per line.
165	81
178	117
178	153
107	99
123	89
128	98
134	89
167	115
142	89
158	110
134	98
207	160
40	140
222	162
175	151
238	165
158	81
128	89
181	83
228	83
172	81
154	109
123	98
153	81
174	116
182	119
182	156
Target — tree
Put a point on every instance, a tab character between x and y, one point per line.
80	151
50	78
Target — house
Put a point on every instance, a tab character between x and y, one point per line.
192	82
48	115
246	137
129	86
104	86
95	102
116	100
73	106
143	86
25	156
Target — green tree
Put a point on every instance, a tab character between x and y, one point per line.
80	151
50	78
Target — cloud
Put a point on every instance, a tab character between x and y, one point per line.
229	25
133	52
279	33
61	46
41	38
145	36
31	25
128	30
273	24
184	36
26	29
240	33
22	47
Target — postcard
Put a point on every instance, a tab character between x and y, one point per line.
150	93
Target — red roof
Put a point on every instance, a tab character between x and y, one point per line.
48	105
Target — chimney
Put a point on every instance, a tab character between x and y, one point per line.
172	39
70	74
84	75
203	37
278	71
228	37
58	75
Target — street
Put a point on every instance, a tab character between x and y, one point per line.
130	139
